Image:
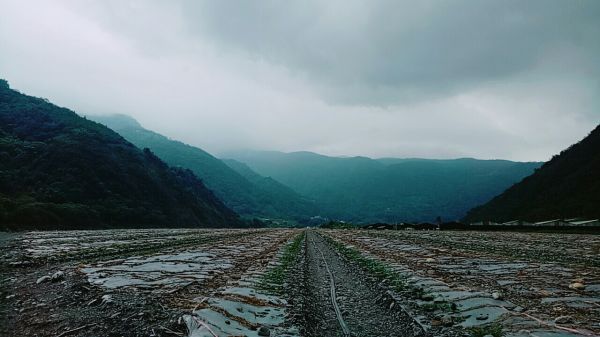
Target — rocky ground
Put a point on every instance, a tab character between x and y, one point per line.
515	284
140	283
313	283
363	306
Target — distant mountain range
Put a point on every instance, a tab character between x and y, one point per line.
302	185
238	186
59	170
363	190
567	186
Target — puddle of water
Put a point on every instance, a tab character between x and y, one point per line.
492	314
477	302
241	310
218	323
262	315
159	271
253	293
457	295
240	316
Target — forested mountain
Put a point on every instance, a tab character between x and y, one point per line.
241	189
59	170
567	186
362	190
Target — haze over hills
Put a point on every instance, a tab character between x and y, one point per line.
244	191
59	170
363	190
567	186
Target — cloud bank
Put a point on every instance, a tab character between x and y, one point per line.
440	79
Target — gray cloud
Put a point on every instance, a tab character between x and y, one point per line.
376	52
441	79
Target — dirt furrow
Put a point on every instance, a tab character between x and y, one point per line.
361	300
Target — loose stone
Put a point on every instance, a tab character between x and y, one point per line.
264	331
577	286
482	317
59	275
43	279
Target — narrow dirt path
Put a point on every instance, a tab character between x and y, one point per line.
340	300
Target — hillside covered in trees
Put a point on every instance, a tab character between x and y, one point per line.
363	190
567	186
59	170
241	189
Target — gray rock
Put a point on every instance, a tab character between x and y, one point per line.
43	279
264	331
59	275
497	295
482	317
577	286
106	299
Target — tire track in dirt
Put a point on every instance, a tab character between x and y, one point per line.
334	302
361	302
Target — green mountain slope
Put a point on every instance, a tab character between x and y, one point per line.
567	186
59	170
248	193
367	190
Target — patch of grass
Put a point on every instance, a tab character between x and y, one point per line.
494	330
440	306
272	281
378	269
383	272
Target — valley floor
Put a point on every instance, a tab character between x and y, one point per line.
291	282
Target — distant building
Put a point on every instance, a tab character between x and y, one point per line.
584	223
484	223
573	222
550	223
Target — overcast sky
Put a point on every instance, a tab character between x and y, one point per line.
438	79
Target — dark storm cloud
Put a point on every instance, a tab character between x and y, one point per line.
441	79
388	51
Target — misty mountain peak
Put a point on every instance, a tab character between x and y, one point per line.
116	121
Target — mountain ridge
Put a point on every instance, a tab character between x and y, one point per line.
567	186
259	197
362	189
59	170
